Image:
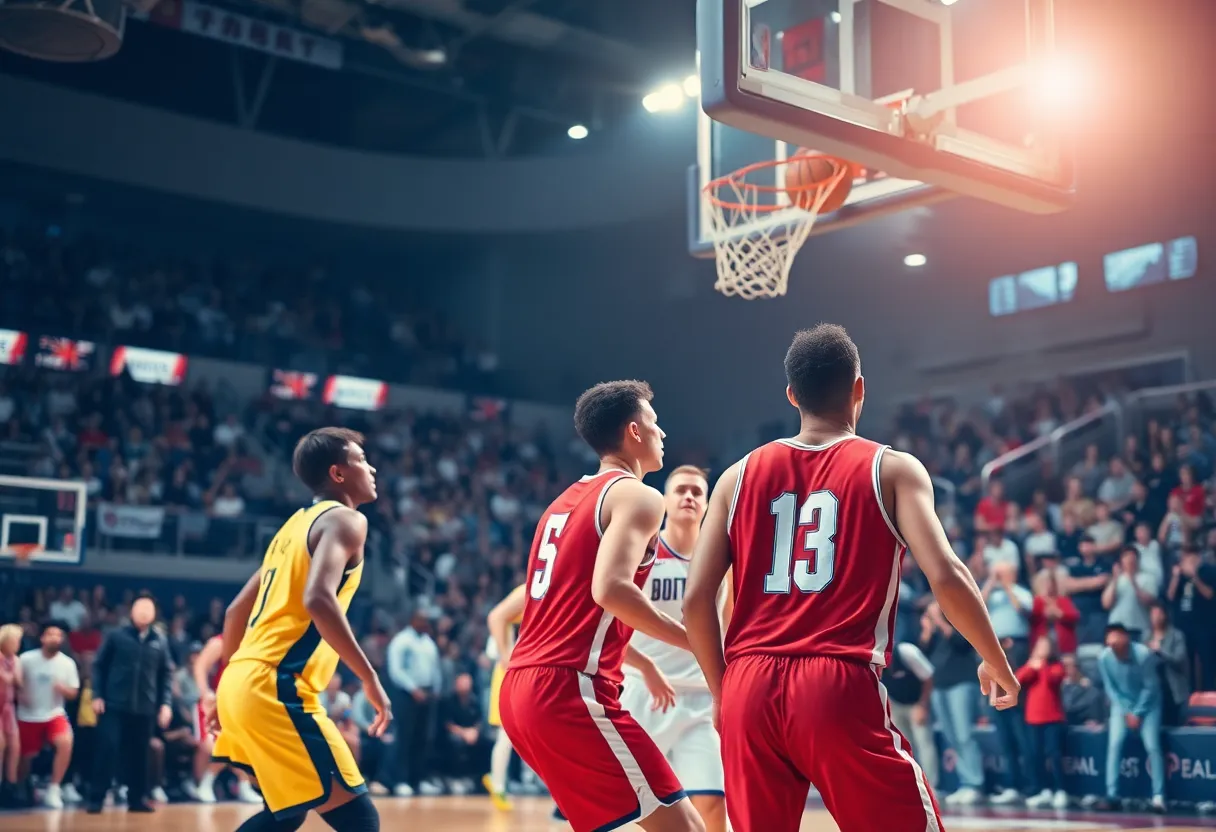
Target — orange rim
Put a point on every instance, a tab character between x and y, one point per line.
23	551
738	179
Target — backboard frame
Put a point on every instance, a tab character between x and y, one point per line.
44	554
841	123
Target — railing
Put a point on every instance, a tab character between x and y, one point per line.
1063	447
171	531
1151	402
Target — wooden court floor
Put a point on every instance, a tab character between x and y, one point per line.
474	814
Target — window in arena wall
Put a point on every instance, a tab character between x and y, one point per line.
1033	289
1151	263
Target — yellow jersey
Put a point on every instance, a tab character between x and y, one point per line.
280	632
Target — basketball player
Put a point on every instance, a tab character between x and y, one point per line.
815	528
208	670
560	697
290	624
501	622
685	731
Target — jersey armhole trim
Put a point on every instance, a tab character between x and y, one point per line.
308	534
599	503
877	467
734	498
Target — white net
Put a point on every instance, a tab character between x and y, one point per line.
756	234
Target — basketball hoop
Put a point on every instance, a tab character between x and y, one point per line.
21	553
754	255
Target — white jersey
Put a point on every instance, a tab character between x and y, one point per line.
665	588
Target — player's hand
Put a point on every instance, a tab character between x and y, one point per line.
1133	722
717	716
920	714
999	685
662	694
211	714
99	706
374	691
163	716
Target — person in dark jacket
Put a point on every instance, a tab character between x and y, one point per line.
955	700
131	691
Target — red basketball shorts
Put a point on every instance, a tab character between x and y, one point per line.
788	723
600	766
37	735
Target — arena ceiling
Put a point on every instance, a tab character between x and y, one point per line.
431	77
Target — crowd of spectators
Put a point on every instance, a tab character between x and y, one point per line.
1100	578
1100	581
231	308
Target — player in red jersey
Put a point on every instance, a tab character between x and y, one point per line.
208	668
560	699
815	529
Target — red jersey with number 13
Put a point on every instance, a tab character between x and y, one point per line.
562	625
816	558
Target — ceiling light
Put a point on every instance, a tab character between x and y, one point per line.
692	86
835	17
577	131
915	261
665	99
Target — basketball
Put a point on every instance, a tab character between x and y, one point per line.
804	175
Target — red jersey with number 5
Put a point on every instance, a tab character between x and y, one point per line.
816	558
562	625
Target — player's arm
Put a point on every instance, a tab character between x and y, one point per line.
500	619
236	617
709	566
906	486
662	694
342	533
207	659
631	516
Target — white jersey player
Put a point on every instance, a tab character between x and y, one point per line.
684	731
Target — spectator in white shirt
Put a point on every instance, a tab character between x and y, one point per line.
1116	489
68	609
1039	541
1106	531
227	432
1131	595
413	667
1150	553
1000	549
50	678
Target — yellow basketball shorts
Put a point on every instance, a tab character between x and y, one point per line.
495	687
274	728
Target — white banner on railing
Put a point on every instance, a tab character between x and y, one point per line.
130	521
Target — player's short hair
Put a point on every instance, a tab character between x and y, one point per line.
602	412
694	470
820	366
319	450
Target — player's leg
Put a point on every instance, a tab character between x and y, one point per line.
495	782
696	757
602	770
767	793
849	748
59	733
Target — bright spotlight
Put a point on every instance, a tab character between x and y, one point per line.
949	2
577	131
1061	84
835	17
692	86
915	261
665	99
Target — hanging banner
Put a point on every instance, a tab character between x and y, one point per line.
239	30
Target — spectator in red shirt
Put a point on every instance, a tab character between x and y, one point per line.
1053	615
1191	493
1041	678
990	513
